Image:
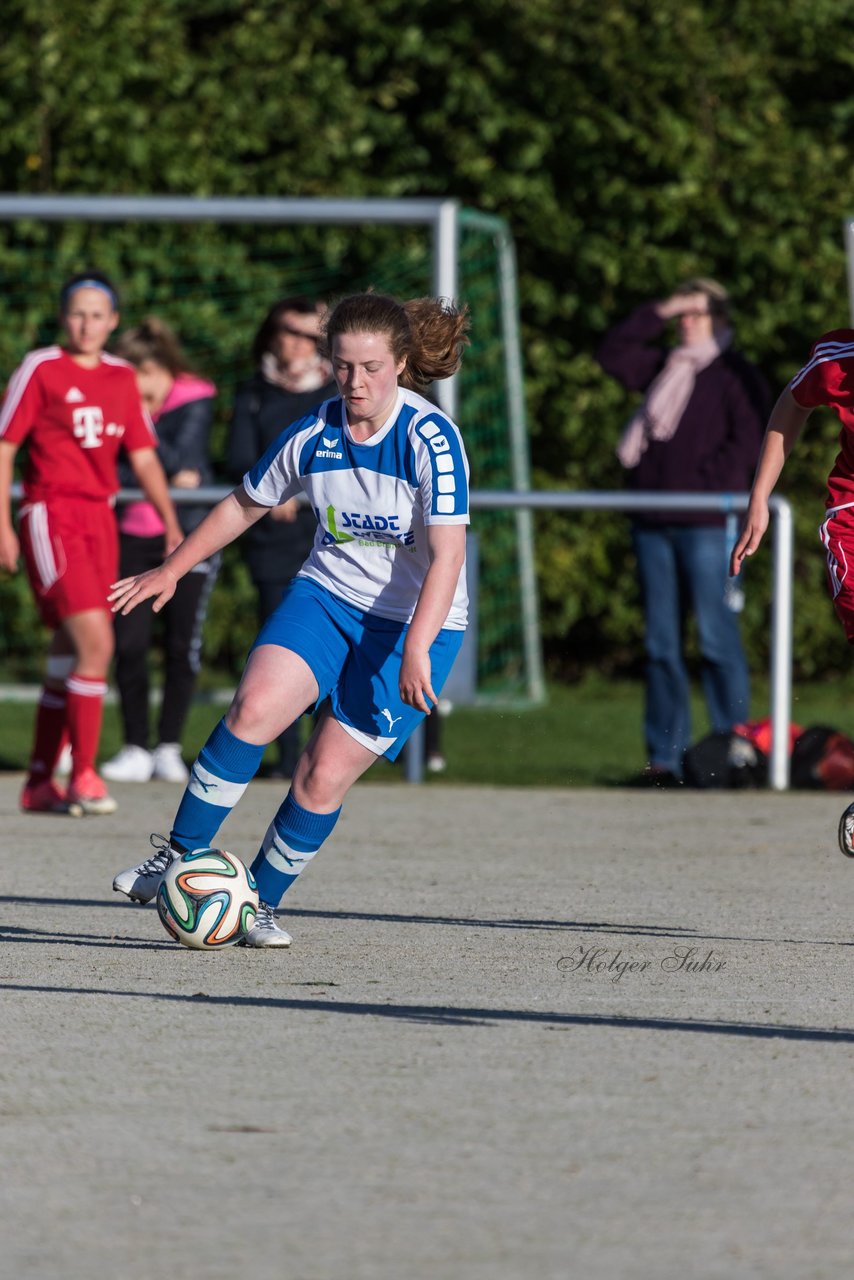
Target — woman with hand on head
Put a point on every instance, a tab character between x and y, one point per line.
376	615
75	406
181	404
698	429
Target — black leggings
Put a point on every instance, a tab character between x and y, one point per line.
182	621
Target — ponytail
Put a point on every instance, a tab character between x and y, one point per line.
429	333
438	340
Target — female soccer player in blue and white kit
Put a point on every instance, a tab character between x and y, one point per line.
376	615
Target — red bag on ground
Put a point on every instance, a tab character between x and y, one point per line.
823	758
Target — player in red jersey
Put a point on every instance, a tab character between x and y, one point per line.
826	379
75	406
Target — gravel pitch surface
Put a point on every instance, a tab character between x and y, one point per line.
519	1034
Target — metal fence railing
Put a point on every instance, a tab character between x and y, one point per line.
781	596
780	674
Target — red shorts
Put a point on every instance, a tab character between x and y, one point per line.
71	553
837	536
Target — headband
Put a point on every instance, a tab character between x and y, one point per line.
88	284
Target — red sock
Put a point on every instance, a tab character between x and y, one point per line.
49	734
85	708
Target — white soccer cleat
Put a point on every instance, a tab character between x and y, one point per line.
265	932
846	832
167	765
141	883
131	764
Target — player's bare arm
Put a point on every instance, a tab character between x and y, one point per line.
447	547
222	525
152	480
784	427
9	547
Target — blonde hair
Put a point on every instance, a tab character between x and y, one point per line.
153	340
429	333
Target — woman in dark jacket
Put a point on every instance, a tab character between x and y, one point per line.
181	405
698	429
291	377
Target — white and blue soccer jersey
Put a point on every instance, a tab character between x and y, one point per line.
373	501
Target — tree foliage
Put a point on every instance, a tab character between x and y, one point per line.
628	145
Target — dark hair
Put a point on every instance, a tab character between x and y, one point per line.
153	340
429	333
92	279
263	340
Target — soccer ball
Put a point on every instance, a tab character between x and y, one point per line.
207	899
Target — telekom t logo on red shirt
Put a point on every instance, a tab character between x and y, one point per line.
89	426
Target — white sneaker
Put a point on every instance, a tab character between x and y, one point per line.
63	764
167	765
141	883
265	932
132	764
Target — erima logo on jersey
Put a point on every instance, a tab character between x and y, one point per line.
367	527
74	395
332	450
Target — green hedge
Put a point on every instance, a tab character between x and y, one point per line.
628	145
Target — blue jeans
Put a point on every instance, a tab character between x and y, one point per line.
683	568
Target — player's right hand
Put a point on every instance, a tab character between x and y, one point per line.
157	585
678	303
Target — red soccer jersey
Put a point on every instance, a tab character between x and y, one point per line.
74	421
828	379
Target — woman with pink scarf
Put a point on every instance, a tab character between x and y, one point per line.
181	405
698	429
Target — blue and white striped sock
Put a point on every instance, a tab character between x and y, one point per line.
224	768
293	838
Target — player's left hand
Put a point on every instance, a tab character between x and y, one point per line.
415	681
157	585
752	532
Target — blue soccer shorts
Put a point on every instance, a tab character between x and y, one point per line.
355	658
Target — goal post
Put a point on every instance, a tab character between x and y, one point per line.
466	255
